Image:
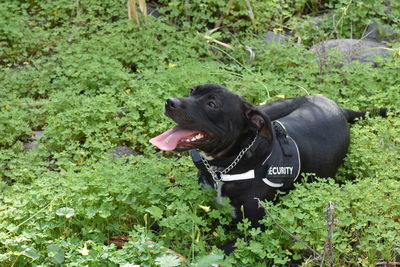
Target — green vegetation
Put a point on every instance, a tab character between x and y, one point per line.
92	80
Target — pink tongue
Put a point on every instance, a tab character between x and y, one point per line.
168	140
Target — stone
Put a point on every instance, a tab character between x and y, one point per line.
274	37
380	32
29	146
153	11
36	135
122	151
350	50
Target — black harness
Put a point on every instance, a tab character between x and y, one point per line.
280	169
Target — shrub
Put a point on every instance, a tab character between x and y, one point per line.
92	80
70	209
20	38
365	230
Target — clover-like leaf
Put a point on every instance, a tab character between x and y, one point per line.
65	212
209	260
155	211
168	261
55	253
30	252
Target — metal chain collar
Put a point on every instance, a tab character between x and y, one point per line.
216	175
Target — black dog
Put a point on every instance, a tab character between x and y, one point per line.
249	152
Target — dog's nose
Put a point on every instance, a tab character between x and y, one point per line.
173	103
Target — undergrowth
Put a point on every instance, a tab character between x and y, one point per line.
87	80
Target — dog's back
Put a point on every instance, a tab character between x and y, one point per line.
319	127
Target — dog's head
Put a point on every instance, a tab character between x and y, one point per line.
211	119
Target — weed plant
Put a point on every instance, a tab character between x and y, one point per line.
92	80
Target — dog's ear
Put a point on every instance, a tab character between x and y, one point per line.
258	120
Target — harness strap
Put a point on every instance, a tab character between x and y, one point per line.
281	135
279	170
237	177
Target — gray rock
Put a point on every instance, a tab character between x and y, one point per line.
29	146
36	135
272	37
122	113
121	151
152	11
349	50
380	32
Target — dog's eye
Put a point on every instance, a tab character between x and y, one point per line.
212	104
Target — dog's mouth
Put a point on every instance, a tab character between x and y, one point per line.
179	138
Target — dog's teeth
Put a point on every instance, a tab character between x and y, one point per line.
194	138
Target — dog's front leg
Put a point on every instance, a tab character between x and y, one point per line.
250	209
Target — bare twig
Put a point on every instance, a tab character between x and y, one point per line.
311	260
218	42
143	9
294	237
351	30
335	27
328	250
251	13
252	53
322	57
387	263
363	35
132	12
330	224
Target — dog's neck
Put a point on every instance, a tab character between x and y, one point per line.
261	146
222	154
206	156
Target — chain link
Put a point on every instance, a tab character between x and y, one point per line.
216	175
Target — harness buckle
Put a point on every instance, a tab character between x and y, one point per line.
217	176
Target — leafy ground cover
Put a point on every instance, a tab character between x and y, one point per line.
89	80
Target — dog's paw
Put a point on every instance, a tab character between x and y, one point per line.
228	247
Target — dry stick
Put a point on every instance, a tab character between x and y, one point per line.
131	4
218	42
330	224
335	27
351	30
363	35
143	8
252	53
251	14
388	263
310	260
320	52
295	238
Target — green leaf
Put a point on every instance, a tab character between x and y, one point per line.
168	261
209	260
155	211
55	253
30	252
66	212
